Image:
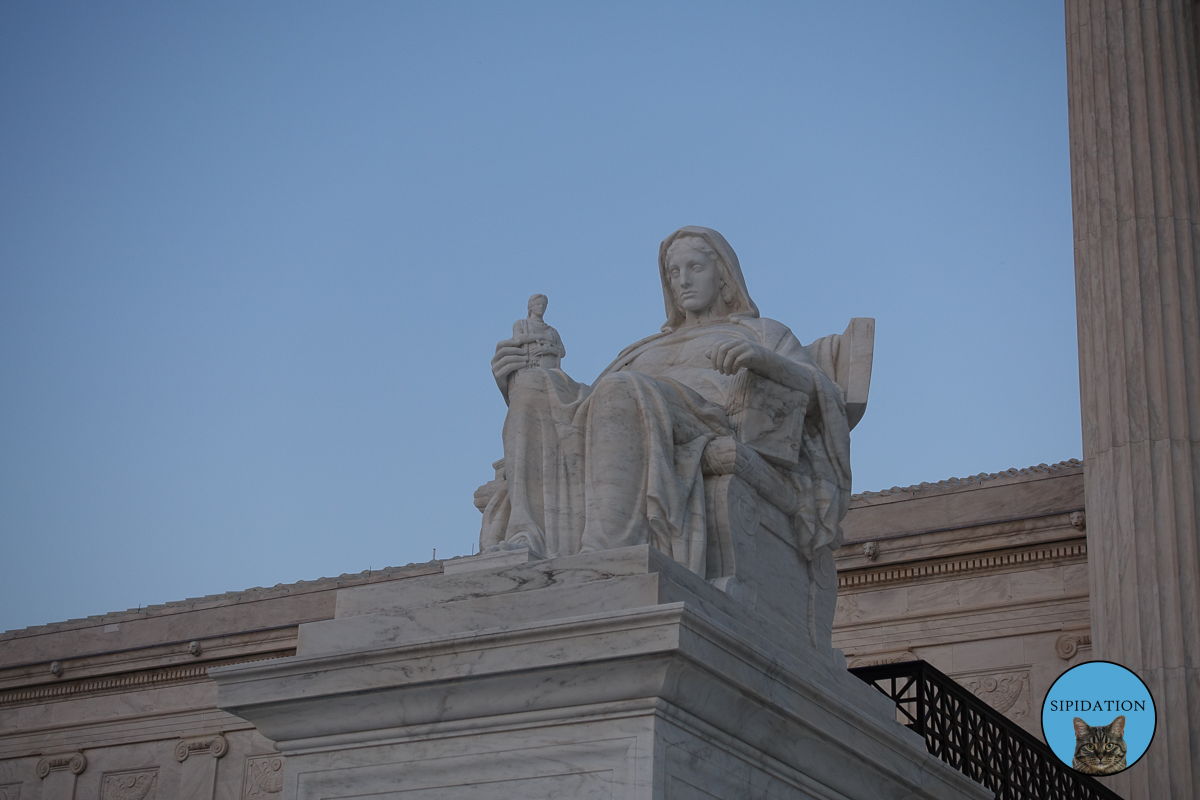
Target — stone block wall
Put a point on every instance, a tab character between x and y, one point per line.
985	577
120	706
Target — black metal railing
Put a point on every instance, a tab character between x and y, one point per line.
977	740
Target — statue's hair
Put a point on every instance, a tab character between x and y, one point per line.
696	242
734	298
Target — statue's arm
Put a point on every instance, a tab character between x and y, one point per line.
736	354
510	357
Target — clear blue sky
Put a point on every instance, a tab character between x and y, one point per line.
254	257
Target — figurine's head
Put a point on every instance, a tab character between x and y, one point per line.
700	274
537	305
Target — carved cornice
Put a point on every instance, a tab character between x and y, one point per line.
213	744
860	578
75	762
1070	464
124	682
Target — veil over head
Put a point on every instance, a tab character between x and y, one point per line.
740	307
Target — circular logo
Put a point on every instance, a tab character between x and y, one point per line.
1098	718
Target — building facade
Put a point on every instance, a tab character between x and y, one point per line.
985	577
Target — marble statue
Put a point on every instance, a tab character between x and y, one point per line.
542	345
622	462
652	607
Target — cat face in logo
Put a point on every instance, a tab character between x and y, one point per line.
1099	750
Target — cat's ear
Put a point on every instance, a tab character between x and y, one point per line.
1117	727
1081	728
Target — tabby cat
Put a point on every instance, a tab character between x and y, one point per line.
1100	750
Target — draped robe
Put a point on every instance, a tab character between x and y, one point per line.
618	463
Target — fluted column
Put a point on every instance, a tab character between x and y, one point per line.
1133	96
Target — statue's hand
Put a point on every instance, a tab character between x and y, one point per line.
510	357
736	354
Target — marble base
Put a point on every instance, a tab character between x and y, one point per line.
617	674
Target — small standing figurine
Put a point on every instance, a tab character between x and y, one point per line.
543	347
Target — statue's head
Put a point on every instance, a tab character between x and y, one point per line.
537	305
700	273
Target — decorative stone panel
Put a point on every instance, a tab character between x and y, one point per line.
1006	692
10	791
129	785
264	777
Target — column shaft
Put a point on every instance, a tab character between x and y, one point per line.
1134	94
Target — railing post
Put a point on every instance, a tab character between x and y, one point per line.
921	681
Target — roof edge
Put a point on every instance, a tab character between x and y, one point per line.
1071	465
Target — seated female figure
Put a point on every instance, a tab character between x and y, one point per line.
618	463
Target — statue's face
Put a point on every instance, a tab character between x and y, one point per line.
695	280
538	306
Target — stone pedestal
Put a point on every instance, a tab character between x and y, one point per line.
616	674
1134	95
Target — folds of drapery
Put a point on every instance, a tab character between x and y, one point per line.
617	464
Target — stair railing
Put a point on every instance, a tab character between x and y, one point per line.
975	739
